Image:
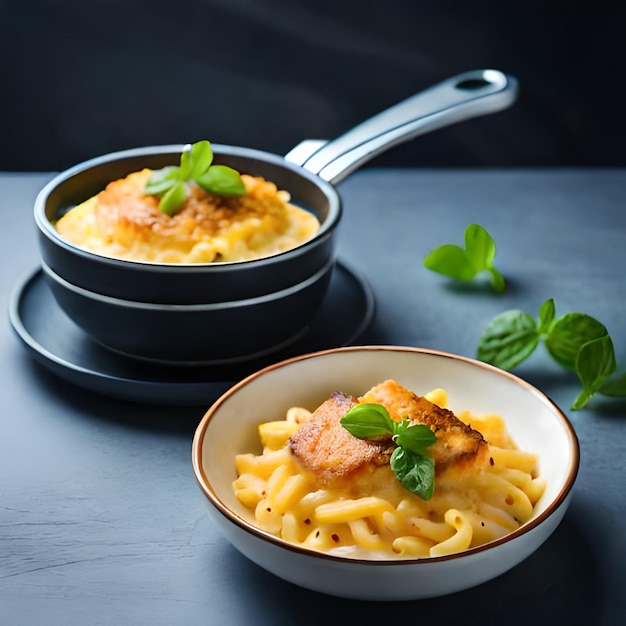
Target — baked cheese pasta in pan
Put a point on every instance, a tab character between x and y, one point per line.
124	222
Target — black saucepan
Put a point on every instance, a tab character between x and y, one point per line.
272	298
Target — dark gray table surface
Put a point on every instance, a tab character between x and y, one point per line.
101	521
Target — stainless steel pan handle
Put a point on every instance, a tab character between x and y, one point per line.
456	99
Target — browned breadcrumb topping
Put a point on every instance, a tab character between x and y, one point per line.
125	212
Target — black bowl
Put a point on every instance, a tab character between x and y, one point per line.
185	283
194	334
189	313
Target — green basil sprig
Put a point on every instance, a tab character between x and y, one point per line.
464	264
576	341
413	467
171	183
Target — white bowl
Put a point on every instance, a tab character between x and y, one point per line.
230	427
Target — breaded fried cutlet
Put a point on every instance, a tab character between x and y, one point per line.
327	449
458	444
324	447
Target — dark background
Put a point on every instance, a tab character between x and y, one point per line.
82	78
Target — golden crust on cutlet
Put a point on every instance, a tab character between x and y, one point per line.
458	445
325	448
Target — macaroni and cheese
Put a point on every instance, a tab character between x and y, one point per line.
123	222
315	486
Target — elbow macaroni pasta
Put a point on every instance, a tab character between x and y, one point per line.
391	522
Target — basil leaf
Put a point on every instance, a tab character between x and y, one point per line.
416	472
567	334
546	315
595	363
414	469
201	158
414	437
368	420
576	341
161	180
173	198
464	263
497	280
615	387
450	260
185	166
222	180
169	183
508	339
480	247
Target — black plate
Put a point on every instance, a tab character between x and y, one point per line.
63	348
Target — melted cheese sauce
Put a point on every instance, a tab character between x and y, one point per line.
372	516
121	222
